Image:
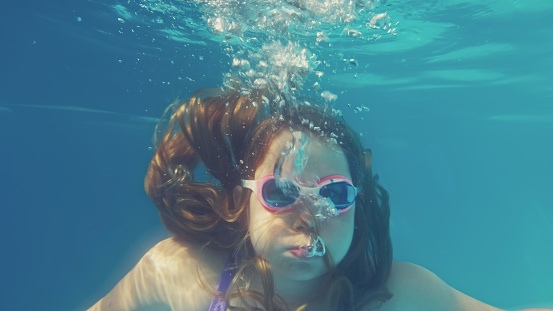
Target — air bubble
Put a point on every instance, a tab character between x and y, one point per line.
264	44
328	96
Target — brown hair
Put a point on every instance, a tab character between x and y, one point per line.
229	134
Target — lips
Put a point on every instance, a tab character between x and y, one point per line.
303	252
314	248
300	253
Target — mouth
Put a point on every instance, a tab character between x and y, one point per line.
299	253
315	248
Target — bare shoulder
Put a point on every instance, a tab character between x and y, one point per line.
179	267
415	288
167	275
179	260
172	251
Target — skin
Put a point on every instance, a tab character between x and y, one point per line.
166	277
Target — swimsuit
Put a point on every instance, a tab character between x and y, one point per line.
229	270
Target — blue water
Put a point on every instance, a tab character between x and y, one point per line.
459	114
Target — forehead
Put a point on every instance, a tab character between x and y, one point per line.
318	157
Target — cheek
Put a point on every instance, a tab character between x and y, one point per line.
338	234
258	214
262	226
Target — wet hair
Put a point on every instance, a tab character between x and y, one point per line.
228	134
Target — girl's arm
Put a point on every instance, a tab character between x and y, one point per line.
417	289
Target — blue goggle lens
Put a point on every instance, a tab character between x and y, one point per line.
341	193
277	197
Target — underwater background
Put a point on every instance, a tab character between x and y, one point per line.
456	103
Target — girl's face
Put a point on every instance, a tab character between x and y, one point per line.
303	159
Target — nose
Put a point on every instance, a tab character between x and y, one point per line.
304	221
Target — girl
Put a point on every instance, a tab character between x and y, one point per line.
291	218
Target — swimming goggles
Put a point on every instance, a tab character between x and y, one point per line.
338	189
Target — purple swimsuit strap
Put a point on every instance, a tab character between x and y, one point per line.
229	270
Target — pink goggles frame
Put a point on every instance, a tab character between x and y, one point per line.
257	187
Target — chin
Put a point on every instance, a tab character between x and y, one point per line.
301	270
